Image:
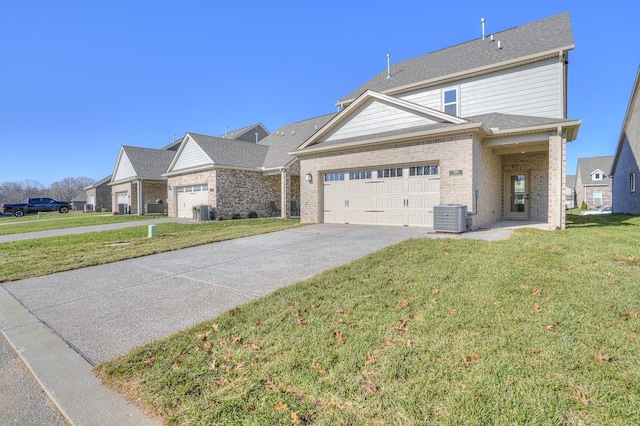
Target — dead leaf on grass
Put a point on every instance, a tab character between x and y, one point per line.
281	406
294	418
253	346
581	396
452	310
537	309
338	334
370	387
370	359
175	367
435	291
270	385
630	315
536	292
221	382
601	356
319	369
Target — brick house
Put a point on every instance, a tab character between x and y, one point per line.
482	124
626	164
593	184
235	177
99	195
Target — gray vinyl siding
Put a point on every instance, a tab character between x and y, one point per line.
191	156
376	117
125	169
534	90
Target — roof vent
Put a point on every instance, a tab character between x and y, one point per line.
499	45
388	65
292	133
482	21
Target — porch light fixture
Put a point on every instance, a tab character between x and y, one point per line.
308	177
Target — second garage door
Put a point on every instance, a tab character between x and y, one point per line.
384	196
190	196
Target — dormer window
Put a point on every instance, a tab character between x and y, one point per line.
597	175
450	101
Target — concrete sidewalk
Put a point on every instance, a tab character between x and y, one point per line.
87	229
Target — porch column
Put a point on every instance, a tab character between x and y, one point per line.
557	179
283	193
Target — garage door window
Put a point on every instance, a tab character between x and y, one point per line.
330	177
362	174
385	173
423	170
193	188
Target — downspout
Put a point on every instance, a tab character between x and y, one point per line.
140	210
561	211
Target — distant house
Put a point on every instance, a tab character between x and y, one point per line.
236	177
570	192
137	179
481	124
625	169
593	185
98	195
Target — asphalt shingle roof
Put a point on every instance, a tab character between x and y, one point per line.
231	153
288	138
588	165
149	163
546	35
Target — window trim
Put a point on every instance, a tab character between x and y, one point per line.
456	103
594	198
632	182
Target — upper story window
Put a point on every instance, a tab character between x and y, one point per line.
450	101
362	174
632	182
597	175
329	177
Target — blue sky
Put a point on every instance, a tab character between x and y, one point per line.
81	78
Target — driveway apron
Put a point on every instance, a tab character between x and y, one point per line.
106	311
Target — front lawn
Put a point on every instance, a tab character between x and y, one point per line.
31	258
541	328
54	220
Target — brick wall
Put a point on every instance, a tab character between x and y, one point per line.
153	191
242	192
450	154
201	178
536	164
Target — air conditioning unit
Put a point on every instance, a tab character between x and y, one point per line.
450	218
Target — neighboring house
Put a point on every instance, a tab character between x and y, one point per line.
593	185
481	124
137	179
238	177
252	133
79	201
99	195
625	169
570	192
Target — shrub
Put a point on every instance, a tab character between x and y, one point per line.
236	216
253	214
583	206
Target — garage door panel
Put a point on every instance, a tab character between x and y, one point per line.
402	200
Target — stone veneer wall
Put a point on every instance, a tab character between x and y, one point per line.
154	190
488	180
452	154
586	194
243	191
537	165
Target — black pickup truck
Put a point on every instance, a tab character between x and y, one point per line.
37	205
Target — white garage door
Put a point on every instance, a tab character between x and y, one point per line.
386	196
189	196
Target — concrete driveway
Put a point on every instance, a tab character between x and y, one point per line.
63	324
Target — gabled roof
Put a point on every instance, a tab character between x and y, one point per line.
634	106
288	138
99	182
229	152
527	42
571	181
430	123
172	146
587	165
238	133
141	163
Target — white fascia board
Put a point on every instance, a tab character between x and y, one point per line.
365	97
474	72
478	129
570	126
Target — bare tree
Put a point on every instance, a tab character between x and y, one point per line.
68	188
19	192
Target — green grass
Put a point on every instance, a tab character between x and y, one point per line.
31	223
541	328
31	258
